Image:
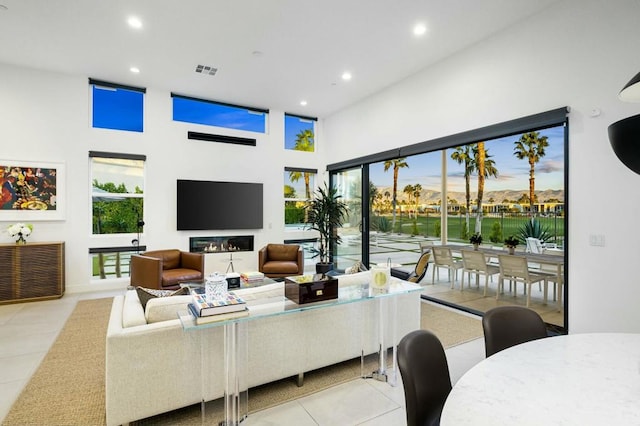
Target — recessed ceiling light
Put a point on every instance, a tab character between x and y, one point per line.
303	103
134	22
134	70
346	76
419	30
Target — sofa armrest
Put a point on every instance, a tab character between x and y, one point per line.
300	260
192	261
146	271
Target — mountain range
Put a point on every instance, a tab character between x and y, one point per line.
428	196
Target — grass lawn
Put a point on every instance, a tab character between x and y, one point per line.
426	225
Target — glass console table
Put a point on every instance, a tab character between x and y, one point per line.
236	335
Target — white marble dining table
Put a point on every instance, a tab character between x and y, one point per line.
577	379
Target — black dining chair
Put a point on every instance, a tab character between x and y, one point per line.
425	377
507	326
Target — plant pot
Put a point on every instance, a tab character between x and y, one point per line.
323	268
512	250
476	246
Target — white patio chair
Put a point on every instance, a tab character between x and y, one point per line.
535	245
442	258
516	269
476	262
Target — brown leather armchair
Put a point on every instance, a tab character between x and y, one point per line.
281	260
166	269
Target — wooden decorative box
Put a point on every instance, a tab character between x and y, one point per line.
310	288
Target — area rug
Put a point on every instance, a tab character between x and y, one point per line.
68	387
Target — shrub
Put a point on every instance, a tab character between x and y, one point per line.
534	229
436	229
464	231
380	224
496	233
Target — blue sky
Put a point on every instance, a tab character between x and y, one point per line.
292	126
513	173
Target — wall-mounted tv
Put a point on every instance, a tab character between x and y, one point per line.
203	205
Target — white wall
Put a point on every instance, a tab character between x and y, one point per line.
44	116
578	53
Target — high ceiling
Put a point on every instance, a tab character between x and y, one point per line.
268	53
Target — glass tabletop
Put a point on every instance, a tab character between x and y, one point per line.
280	305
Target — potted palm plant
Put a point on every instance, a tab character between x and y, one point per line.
326	212
511	242
476	240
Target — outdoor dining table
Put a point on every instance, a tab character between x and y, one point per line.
537	258
577	379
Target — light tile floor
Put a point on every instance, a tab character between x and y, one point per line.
27	331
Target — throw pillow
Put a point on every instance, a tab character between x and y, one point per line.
146	294
357	267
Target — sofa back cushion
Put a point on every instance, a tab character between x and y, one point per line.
279	252
354	279
170	258
165	308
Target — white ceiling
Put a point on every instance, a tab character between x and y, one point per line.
305	45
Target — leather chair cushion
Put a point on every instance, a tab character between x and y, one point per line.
280	252
280	267
173	277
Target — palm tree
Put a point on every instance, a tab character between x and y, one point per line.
397	164
304	142
417	188
462	154
531	146
408	190
485	168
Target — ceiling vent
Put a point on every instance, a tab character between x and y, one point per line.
207	70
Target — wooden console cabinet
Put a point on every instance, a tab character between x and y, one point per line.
32	271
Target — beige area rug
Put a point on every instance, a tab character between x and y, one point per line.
68	387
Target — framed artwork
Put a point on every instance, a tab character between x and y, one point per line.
31	190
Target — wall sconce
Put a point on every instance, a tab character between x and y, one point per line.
624	135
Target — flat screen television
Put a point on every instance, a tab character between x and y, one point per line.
203	205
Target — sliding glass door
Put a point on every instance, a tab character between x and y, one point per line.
349	186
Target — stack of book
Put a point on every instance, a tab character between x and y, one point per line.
252	277
231	306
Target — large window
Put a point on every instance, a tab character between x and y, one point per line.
116	106
505	180
299	185
299	133
117	193
211	113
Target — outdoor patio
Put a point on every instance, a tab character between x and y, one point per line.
405	250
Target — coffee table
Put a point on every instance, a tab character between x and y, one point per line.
235	334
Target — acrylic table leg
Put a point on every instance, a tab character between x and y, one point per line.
235	359
386	320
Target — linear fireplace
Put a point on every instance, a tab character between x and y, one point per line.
221	244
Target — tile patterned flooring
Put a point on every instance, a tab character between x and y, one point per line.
27	330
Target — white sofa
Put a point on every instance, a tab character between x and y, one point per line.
153	366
